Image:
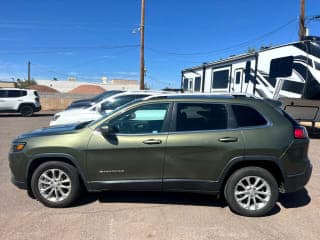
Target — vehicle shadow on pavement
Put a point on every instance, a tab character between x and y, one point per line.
289	200
33	116
313	133
152	198
294	200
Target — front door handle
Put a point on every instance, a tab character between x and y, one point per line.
152	141
228	139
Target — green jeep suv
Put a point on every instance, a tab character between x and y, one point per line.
246	149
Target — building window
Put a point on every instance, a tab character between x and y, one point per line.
220	79
291	86
197	84
238	77
185	84
190	87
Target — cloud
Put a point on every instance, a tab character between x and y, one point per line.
67	53
124	73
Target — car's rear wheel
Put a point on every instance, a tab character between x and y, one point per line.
56	184
26	110
251	191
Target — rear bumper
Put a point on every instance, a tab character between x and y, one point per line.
296	182
37	109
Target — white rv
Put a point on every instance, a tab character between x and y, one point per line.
288	72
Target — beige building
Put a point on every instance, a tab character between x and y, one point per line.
65	86
7	84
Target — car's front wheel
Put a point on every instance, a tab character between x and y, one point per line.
55	184
251	191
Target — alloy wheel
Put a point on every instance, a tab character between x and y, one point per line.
54	185
252	193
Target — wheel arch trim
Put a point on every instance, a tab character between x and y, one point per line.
247	159
56	156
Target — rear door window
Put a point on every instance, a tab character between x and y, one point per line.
201	116
247	116
14	93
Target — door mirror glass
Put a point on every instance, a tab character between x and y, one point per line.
97	108
281	67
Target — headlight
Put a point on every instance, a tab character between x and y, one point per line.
18	146
55	117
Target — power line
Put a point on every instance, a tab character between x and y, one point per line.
102	58
240	45
52	50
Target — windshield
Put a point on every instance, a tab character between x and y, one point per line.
315	49
116	102
79	105
104	95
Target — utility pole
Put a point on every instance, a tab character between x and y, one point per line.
142	46
29	72
302	26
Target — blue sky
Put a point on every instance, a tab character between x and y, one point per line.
91	39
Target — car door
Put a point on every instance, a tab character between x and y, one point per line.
200	144
14	99
3	100
134	152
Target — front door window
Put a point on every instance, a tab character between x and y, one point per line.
147	119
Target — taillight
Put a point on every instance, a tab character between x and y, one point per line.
300	133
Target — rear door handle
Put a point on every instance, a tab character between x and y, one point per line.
228	139
152	141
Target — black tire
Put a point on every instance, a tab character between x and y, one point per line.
70	172
233	184
26	110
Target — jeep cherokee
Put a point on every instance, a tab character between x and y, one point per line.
246	149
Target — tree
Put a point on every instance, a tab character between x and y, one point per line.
251	50
55	79
25	83
146	86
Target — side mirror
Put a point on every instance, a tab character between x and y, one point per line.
106	130
98	108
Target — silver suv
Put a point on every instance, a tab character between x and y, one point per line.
24	101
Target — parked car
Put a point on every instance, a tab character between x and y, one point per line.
96	110
85	103
16	100
246	149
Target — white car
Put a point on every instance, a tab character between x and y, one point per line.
24	101
99	109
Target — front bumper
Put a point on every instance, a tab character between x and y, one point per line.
293	183
21	185
18	165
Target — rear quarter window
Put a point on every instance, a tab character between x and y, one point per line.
247	116
14	93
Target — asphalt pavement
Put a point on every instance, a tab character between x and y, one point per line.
145	215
